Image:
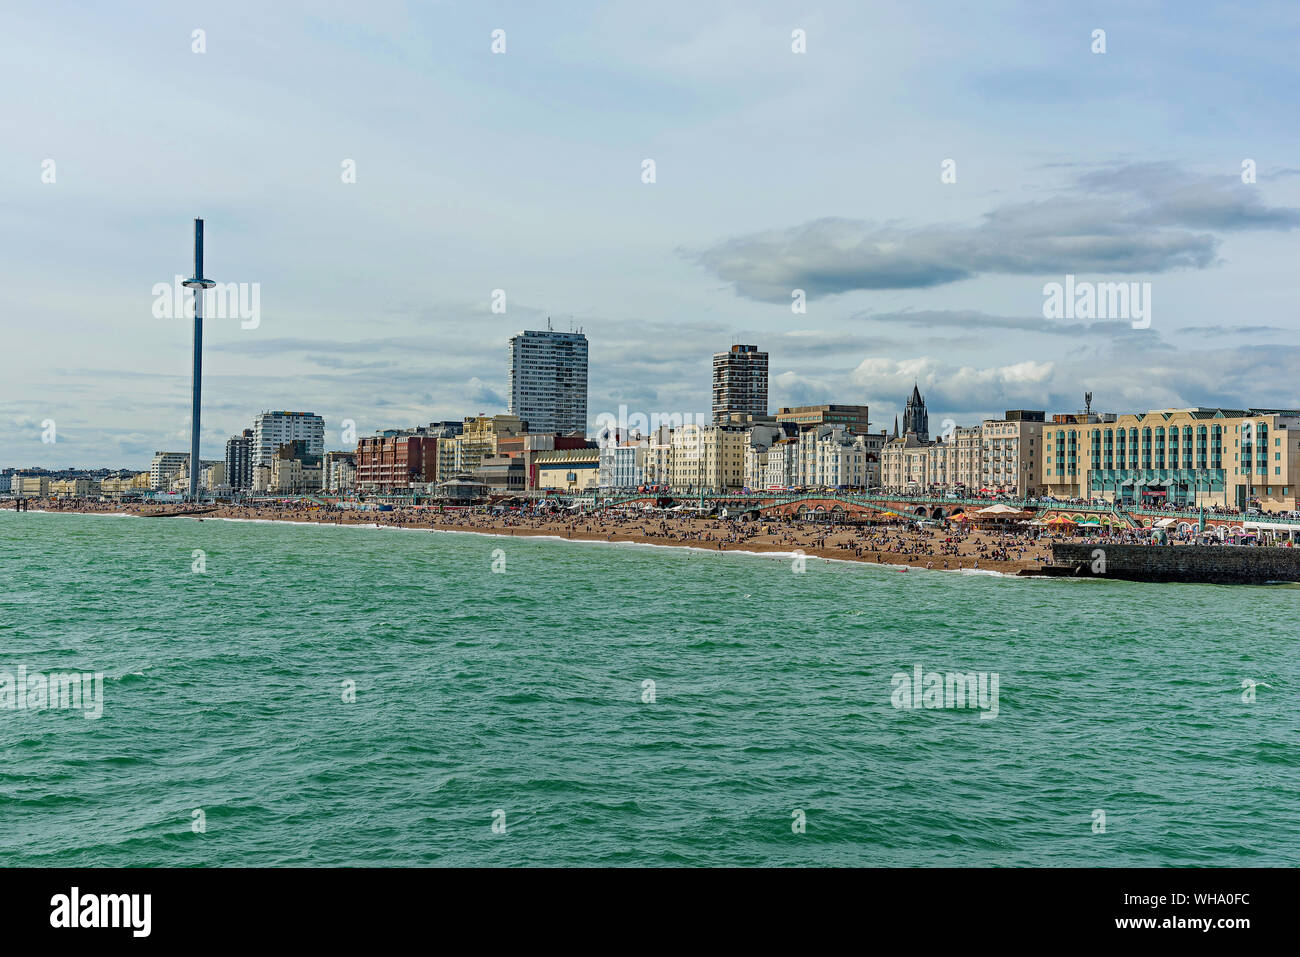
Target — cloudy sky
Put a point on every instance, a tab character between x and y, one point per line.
523	171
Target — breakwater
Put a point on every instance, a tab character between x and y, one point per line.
1216	564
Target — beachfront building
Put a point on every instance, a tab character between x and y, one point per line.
180	481
739	383
271	430
73	488
781	469
568	470
239	461
1012	453
338	472
954	462
294	470
708	458
548	380
656	462
502	474
526	447
464	452
123	485
164	467
761	439
261	479
1230	458
830	456
873	443
30	486
213	476
620	465
394	460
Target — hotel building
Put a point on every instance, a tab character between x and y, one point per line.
1012	453
1187	457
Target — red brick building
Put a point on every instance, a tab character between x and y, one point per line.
387	463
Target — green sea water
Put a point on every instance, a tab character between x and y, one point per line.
519	697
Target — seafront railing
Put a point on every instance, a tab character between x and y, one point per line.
884	501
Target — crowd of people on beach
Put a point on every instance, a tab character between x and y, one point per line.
897	540
901	540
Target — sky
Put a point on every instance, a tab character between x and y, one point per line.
921	172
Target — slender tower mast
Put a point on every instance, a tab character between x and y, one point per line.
198	283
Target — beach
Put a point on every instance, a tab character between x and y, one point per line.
944	547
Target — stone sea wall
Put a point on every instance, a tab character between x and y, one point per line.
1181	563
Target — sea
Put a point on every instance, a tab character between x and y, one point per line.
315	695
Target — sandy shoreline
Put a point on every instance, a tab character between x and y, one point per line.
902	544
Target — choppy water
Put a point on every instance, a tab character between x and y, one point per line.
523	692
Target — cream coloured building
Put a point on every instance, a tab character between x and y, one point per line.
832	457
568	470
1225	457
780	466
74	488
708	457
29	486
465	452
909	465
1012	453
656	463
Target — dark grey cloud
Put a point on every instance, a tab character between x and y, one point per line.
1143	218
1121	379
1166	195
972	320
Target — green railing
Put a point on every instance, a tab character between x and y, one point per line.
883	502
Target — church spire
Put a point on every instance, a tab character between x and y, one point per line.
915	418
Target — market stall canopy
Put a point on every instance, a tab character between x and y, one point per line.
999	509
